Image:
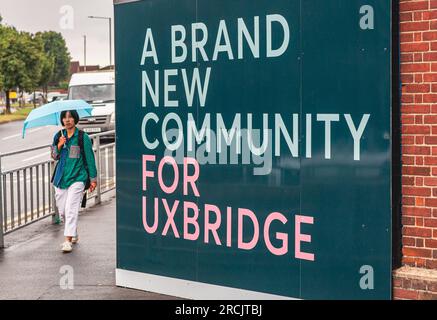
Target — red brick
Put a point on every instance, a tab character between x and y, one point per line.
429	36
397	282
416	171
408	119
430	161
408	201
415	191
416	212
431	56
415	47
407	160
431	264
417	232
431	140
420	202
405	294
431	202
430	181
417	252
432	223
431	77
425	108
409	261
408	221
431	243
407	98
423	295
432	15
415	26
407	78
416	150
415	88
431	98
430	119
420	263
413	5
407	58
407	241
406	16
408	181
415	67
418	284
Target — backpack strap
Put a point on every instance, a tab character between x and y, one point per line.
82	150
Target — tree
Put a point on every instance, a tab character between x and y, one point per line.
21	59
57	54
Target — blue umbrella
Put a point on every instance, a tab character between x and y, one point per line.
49	113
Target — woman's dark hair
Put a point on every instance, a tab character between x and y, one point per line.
73	113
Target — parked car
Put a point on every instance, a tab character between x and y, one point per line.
36	96
57	97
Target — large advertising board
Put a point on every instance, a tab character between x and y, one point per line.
254	148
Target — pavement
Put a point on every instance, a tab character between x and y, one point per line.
32	266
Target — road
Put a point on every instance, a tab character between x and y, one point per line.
30	192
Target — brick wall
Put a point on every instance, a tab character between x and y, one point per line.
418	37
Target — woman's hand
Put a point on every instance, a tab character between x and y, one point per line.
93	186
61	142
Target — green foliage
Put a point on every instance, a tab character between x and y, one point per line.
58	56
21	56
29	61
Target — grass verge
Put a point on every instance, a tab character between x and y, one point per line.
20	114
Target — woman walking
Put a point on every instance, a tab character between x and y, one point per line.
76	170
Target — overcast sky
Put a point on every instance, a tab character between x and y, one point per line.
70	17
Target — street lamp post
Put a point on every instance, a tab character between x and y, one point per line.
84	52
110	36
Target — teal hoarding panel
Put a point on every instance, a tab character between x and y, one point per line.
309	216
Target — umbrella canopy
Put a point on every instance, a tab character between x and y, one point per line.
50	113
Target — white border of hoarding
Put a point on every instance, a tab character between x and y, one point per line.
187	289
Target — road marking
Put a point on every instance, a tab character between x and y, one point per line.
36	129
35	157
10	137
19	134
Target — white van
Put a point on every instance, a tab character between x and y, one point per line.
98	89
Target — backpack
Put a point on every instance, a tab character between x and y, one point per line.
82	152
